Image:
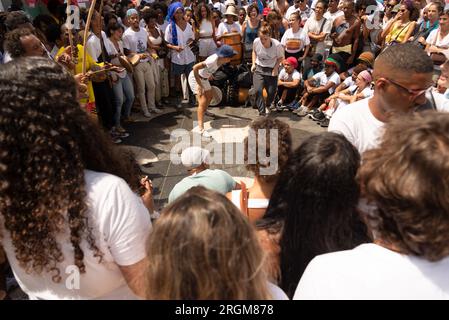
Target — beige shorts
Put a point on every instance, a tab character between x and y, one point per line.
193	84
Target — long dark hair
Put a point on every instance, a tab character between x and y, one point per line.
47	141
313	205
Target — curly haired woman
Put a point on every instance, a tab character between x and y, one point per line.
71	227
404	182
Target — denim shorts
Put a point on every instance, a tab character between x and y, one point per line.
178	69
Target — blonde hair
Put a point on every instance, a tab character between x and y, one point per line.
202	247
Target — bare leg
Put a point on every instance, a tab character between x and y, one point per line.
203	103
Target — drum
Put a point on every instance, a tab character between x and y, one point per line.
235	41
243	95
126	64
217	96
293	44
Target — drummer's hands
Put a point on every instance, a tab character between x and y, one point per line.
178	48
113	68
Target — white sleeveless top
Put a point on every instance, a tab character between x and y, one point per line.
155	41
252	203
206	28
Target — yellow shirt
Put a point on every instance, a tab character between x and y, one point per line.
79	69
397	33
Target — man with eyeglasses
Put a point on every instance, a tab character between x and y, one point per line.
402	79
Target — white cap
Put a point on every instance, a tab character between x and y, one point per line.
193	157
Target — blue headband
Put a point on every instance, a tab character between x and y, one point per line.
171	17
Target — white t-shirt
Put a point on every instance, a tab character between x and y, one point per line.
435	40
211	66
333	16
163	26
120	224
356	122
186	56
348	82
136	41
370	271
323	79
267	57
223	28
220	6
314	26
93	45
294	42
284	76
366	93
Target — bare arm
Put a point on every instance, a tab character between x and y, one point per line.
133	275
322	89
410	30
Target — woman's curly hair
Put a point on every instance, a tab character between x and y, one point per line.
271	128
406	181
46	143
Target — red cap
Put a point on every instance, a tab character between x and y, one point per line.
293	61
265	11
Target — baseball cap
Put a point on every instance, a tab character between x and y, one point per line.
226	51
193	157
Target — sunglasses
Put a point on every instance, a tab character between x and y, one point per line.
413	93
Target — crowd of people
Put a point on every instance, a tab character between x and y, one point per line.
358	212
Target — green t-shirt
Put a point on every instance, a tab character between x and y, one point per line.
217	180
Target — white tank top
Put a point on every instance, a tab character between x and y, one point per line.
252	203
206	28
153	40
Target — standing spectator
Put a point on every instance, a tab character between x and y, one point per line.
267	56
229	25
178	35
135	41
405	208
295	41
250	30
346	35
333	12
318	29
66	206
122	86
242	16
205	32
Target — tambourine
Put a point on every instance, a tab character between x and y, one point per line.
134	60
126	64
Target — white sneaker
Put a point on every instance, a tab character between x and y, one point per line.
267	111
147	114
156	110
205	134
179	106
186	101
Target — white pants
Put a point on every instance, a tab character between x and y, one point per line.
144	77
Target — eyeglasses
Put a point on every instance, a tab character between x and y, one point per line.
413	93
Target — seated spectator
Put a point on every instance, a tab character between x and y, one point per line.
288	82
350	80
365	60
316	66
402	26
202	248
197	161
360	90
404	183
266	166
315	198
319	87
67	206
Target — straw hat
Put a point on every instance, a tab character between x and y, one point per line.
231	11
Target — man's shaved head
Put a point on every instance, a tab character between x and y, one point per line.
402	59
